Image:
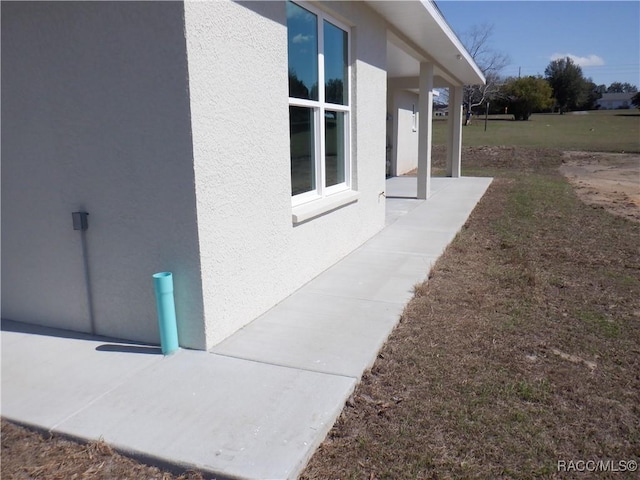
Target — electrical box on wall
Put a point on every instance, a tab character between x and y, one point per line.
80	220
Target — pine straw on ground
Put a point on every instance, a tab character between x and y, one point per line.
522	350
30	455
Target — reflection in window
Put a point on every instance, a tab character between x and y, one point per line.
335	64
318	116
303	52
301	135
334	147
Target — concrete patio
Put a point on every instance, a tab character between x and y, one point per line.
259	403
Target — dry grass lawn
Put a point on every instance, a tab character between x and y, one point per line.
30	455
522	349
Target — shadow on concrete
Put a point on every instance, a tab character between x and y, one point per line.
144	349
111	344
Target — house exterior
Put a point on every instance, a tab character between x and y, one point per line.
195	136
613	101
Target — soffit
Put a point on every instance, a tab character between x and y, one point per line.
419	32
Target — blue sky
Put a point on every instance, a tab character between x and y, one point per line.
603	37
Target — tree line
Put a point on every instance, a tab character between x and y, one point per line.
563	88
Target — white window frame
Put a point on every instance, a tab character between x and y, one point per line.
319	107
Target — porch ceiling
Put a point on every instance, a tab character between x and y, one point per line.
417	32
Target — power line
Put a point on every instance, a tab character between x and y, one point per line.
630	71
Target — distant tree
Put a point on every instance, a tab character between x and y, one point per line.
334	91
524	96
590	96
617	87
601	89
567	82
635	100
296	87
491	62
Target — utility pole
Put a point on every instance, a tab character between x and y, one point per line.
486	117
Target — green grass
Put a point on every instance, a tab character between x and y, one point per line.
599	322
603	131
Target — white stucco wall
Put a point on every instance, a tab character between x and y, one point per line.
95	116
179	151
405	137
252	255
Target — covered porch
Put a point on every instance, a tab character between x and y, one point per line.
427	55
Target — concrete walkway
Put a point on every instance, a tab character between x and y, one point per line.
258	404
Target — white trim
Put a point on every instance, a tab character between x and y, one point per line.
418	28
324	205
434	11
319	107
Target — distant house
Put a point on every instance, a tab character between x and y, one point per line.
612	101
440	110
239	145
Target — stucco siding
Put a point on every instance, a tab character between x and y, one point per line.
240	136
252	254
95	117
405	150
169	124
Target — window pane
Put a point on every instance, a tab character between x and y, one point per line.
334	147
301	135
335	64
303	52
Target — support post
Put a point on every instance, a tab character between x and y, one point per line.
425	121
454	149
450	129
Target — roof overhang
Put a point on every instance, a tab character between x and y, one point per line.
417	32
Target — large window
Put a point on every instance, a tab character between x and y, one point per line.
318	116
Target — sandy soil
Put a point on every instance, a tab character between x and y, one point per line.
607	180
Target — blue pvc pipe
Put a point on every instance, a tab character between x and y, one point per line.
163	284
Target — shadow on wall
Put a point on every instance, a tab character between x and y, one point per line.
96	116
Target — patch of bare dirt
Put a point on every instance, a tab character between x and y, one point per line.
606	180
609	180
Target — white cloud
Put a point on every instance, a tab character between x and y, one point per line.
589	61
302	38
